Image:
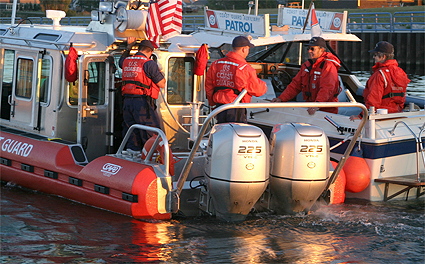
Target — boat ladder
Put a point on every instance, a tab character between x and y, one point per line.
419	145
409	181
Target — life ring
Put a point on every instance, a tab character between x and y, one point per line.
159	151
357	173
337	188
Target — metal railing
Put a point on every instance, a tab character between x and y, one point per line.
415	21
386	22
66	21
380	21
357	22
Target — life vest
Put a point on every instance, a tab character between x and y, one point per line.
391	90
71	69
225	76
228	76
311	83
134	78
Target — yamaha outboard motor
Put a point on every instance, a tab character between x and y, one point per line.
299	166
237	169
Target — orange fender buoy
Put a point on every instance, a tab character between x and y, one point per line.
338	187
160	152
357	173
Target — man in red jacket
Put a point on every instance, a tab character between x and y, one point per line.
317	80
386	87
228	76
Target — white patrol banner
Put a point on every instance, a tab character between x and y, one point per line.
250	24
329	21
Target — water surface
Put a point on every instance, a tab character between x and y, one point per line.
40	228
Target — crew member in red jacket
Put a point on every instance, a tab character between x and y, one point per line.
228	76
317	80
386	87
141	80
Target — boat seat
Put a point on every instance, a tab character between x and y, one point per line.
342	97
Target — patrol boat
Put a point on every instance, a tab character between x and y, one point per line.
64	137
387	141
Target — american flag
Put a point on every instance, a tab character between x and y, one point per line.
164	19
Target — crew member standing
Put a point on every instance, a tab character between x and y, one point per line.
228	76
142	81
317	80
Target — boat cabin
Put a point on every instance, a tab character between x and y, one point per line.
36	97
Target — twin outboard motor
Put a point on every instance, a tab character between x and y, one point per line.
299	166
237	169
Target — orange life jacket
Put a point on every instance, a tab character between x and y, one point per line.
135	80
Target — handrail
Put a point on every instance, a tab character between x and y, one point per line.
418	145
161	135
58	45
387	22
408	26
357	22
379	21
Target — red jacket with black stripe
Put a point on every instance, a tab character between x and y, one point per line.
386	87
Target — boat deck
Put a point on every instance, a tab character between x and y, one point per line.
410	181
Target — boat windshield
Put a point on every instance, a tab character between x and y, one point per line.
288	53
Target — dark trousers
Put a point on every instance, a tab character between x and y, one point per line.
237	115
139	110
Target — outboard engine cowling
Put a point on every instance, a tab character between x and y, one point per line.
299	166
237	169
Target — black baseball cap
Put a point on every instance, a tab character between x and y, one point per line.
241	41
146	43
384	47
317	41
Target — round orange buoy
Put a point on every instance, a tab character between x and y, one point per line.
338	187
357	173
160	152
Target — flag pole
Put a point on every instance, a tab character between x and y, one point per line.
305	25
308	16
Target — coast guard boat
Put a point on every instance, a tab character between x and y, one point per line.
64	137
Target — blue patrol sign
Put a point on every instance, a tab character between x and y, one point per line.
239	26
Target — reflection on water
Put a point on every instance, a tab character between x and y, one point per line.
416	87
38	228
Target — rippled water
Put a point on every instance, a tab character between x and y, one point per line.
39	228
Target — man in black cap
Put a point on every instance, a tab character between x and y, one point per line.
317	79
228	76
142	81
386	87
